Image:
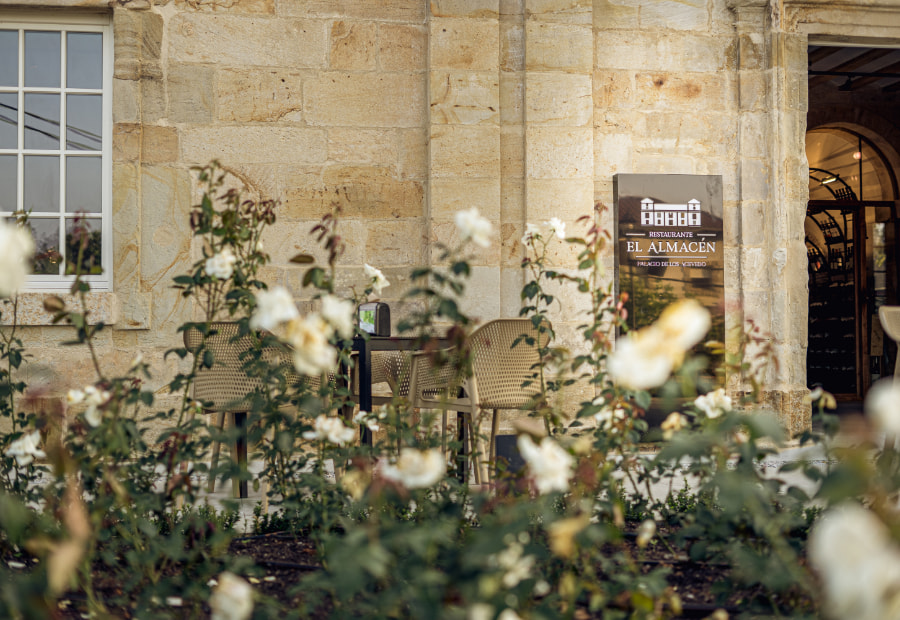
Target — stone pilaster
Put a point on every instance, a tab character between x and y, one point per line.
464	128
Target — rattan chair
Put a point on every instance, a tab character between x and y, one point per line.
503	377
890	322
225	388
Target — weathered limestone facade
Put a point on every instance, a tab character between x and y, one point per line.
405	111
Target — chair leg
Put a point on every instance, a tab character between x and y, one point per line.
220	424
474	453
492	449
444	432
240	453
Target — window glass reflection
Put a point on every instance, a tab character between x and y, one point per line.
41	184
42	58
84	122
83	184
8	183
47	257
9	120
84	60
83	240
41	121
9	58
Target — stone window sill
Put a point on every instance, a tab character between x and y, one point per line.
101	305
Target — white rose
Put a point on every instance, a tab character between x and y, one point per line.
25	448
377	278
313	354
608	416
673	423
221	265
639	361
557	227
232	598
473	227
859	564
714	403
549	464
332	430
16	250
531	231
273	307
416	469
883	406
684	324
340	314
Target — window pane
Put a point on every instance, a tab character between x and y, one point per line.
8	182
46	242
84	60
9	58
83	239
84	122
41	184
83	184
41	121
42	53
9	120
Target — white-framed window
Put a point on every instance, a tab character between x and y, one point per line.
55	141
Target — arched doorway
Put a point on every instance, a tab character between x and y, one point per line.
852	250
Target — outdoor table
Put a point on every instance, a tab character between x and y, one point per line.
365	346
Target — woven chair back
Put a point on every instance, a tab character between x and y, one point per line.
226	385
507	376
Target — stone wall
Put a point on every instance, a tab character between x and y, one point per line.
404	111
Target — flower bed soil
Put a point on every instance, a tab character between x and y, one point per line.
284	559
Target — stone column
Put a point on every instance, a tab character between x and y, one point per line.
559	141
773	195
464	129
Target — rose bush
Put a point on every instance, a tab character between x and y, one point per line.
396	528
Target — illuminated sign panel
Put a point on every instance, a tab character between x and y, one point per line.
670	244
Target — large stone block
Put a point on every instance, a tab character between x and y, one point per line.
690	15
682	89
159	145
465	8
448	196
567	199
550	46
558	99
613	154
254	144
241	41
374	192
165	205
512	153
464	98
363	146
512	46
464	44
259	95
353	45
466	152
512	98
291	237
512	199
126	101
365	100
413	153
482	297
610	14
564	11
265	7
409	11
402	47
559	152
126	144
398	243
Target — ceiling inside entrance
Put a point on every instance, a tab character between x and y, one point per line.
854	68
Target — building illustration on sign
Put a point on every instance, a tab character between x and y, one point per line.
664	214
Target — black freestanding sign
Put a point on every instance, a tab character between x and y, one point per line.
669	244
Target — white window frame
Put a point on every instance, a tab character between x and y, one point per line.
67	22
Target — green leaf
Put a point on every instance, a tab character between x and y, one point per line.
302	259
